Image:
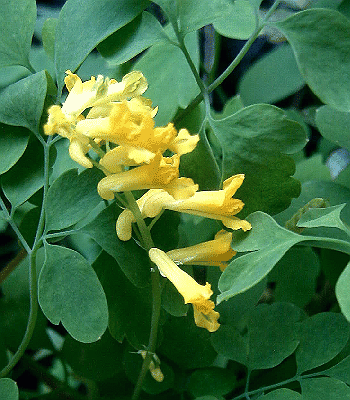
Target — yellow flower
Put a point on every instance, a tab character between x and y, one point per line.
154	367
215	252
192	292
158	173
59	123
100	92
96	93
179	188
217	204
130	124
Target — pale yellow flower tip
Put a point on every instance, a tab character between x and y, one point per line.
124	225
191	291
184	142
135	84
154	366
208	321
77	151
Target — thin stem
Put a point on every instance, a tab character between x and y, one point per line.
155	219
33	284
231	67
152	342
156	294
33	288
9	219
295	378
145	233
61	234
246	391
96	148
190	62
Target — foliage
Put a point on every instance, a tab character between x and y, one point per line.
97	280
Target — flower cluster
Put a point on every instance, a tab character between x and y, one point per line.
114	120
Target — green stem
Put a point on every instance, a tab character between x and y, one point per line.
33	289
295	378
231	67
33	284
134	208
9	219
152	342
190	62
156	294
96	148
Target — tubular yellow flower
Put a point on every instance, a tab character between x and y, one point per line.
157	174
151	204
96	93
192	292
59	123
100	91
120	156
131	124
217	204
215	252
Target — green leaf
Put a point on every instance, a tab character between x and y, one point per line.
48	36
21	104
340	371
129	307
324	389
171	82
98	361
14	310
328	217
295	276
234	311
17	20
26	177
273	77
322	337
132	39
132	259
282	394
70	292
268	242
334	194
211	381
334	125
255	142
238	21
13	142
194	14
191	15
321	42
172	301
8	389
12	74
71	197
270	336
89	25
312	168
342	292
186	344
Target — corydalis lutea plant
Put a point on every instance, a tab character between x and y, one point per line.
256	343
119	128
